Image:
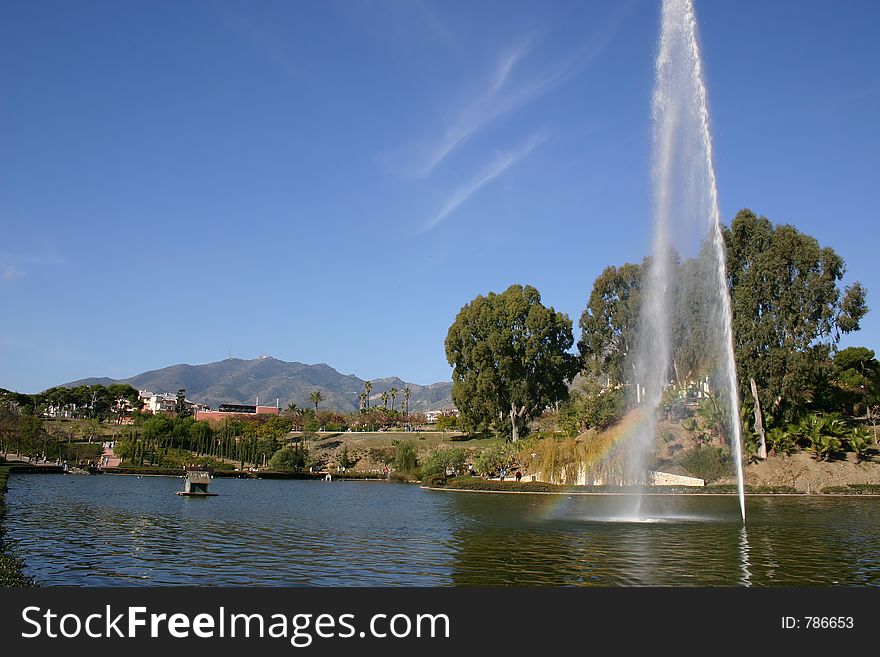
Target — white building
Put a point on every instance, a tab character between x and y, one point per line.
163	402
431	416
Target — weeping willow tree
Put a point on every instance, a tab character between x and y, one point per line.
594	458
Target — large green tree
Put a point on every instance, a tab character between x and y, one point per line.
788	309
853	385
608	323
510	358
789	312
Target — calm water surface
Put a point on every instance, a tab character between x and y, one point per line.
124	531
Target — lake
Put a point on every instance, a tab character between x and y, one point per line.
128	531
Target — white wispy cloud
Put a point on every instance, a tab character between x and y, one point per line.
497	98
14	266
501	163
11	273
507	89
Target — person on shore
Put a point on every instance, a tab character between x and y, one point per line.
518	476
501	474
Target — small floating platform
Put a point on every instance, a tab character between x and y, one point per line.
196	483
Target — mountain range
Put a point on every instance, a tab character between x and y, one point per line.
238	381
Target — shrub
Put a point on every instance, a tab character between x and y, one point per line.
440	461
383	455
824	447
494	457
781	441
405	458
590	407
345	460
749	490
692	426
821	434
12	572
289	459
859	439
707	462
446	423
853	489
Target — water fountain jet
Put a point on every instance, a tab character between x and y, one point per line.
687	222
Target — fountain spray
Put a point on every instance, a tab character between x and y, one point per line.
687	219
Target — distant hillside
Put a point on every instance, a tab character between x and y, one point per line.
241	381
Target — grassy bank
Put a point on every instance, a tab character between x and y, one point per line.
11	573
852	489
239	474
478	484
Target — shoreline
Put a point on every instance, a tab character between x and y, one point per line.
786	491
650	494
11	567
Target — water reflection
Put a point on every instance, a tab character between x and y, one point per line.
746	578
125	531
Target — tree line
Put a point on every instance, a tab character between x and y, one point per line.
172	442
513	357
95	401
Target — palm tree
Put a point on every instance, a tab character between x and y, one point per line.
292	409
780	440
385	398
393	393
362	402
316	398
406	395
821	434
368	388
859	439
714	417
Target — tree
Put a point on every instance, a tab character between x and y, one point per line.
393	393
442	461
446	422
493	458
290	458
788	309
316	398
345	460
854	384
407	393
384	397
200	434
590	406
510	357
405	459
368	388
609	321
859	439
788	314
714	415
180	407
821	434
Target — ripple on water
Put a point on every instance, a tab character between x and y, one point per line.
115	531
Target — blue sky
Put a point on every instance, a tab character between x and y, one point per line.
332	181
